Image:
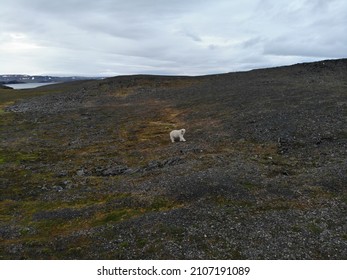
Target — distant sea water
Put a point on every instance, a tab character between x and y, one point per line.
28	85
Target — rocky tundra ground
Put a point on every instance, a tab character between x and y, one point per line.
88	171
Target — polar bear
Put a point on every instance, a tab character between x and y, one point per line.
177	135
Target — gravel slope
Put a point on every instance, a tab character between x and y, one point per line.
88	171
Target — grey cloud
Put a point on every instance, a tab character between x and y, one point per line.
251	42
193	36
168	37
306	48
320	35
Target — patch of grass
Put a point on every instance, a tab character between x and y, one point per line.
236	254
223	201
314	228
276	205
140	242
121	214
9	97
123	92
250	186
296	228
343	134
40	221
17	157
139	140
26	157
7	209
171	232
116	216
344	198
162	204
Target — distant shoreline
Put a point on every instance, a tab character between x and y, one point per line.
29	85
27	79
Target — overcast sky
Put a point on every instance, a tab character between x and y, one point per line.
189	37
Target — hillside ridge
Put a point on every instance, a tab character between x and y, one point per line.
88	170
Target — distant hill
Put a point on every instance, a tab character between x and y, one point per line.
18	79
4	87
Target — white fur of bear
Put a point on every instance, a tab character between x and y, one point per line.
177	135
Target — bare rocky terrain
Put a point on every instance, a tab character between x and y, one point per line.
87	169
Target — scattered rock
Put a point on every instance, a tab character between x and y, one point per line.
114	171
81	172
